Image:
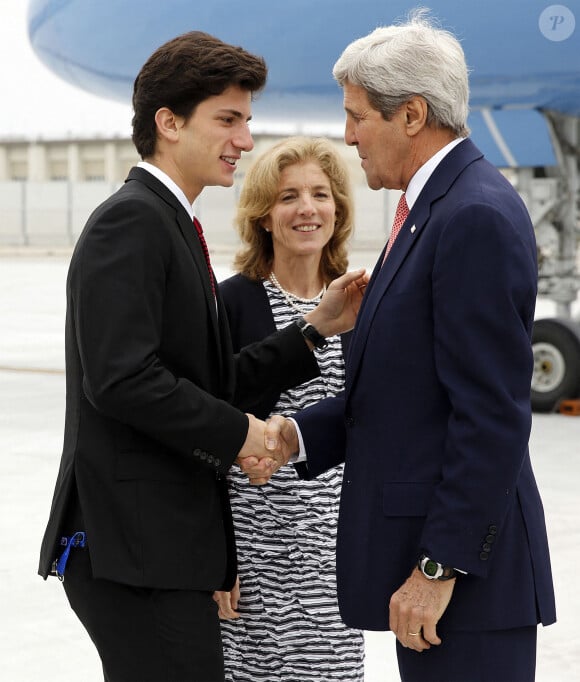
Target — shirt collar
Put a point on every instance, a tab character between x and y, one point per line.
419	180
168	182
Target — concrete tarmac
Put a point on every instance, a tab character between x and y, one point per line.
40	638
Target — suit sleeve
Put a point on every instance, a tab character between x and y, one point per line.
117	289
484	287
323	430
268	367
267	362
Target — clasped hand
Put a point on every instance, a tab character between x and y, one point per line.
268	446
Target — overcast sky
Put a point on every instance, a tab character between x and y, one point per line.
35	103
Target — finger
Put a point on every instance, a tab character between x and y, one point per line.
233	615
362	283
259	481
430	634
416	642
400	625
349	277
264	467
393	616
261	474
255	465
235	594
228	614
225	607
413	638
247	462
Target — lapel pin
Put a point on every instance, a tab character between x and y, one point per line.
413	228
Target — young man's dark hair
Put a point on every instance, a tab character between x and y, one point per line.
184	72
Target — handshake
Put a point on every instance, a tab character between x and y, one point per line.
268	446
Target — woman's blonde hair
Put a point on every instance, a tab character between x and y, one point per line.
259	194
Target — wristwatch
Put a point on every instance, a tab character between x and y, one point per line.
433	570
311	333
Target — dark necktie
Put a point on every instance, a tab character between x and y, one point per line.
203	243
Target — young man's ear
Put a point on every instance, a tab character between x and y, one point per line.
168	124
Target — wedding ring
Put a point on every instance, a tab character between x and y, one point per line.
414	634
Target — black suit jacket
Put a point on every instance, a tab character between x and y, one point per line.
150	427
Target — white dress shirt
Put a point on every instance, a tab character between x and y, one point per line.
171	186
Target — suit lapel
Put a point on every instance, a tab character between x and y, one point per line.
437	186
192	240
189	234
381	279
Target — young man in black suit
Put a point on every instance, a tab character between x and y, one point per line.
151	427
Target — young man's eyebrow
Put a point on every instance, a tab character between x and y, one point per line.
234	112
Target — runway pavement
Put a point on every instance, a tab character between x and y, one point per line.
40	638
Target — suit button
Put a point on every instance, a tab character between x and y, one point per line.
209	459
490	538
217	461
492	529
486	547
484	556
196	452
350	421
202	454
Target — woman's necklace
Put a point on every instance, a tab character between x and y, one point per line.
292	299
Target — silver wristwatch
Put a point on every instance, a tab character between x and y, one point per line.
433	570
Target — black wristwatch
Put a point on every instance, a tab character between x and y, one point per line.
433	570
311	333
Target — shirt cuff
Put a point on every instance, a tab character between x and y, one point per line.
300	456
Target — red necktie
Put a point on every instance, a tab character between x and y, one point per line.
400	216
203	243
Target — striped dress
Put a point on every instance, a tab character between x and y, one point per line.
290	629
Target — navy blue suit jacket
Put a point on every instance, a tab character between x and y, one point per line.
435	420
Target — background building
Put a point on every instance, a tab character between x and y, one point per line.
48	188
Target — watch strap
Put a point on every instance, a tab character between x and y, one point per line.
310	333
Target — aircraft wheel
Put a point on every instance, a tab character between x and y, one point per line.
556	377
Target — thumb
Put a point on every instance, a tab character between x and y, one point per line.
272	431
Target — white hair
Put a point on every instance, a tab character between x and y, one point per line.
394	63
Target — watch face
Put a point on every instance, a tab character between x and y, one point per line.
434	570
430	568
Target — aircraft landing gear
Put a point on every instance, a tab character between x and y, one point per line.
556	377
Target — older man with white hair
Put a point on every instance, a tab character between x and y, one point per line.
441	536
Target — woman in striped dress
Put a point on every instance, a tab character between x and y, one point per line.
282	623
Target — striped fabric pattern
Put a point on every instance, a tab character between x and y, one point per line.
290	628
